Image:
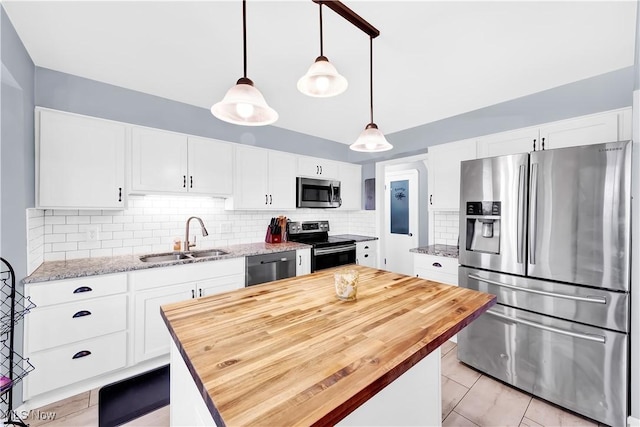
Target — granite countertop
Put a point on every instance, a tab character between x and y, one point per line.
356	237
59	270
447	251
290	353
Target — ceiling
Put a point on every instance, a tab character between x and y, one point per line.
433	59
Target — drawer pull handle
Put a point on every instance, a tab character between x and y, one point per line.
80	354
82	313
437	264
82	289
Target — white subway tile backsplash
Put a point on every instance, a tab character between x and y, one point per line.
150	223
446	228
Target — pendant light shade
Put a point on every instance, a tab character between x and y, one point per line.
244	104
322	80
371	140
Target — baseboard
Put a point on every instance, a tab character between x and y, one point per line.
633	422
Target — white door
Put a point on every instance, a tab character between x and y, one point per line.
210	167
401	220
158	161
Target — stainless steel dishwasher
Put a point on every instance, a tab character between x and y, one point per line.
269	267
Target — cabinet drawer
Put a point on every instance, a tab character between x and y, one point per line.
71	363
436	276
63	291
63	324
438	264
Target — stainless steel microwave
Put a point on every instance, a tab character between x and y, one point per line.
317	193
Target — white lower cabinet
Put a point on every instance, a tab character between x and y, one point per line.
437	268
303	262
367	253
73	341
159	286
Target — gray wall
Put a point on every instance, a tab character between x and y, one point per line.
16	156
600	93
66	92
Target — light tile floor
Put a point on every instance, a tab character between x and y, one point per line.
469	399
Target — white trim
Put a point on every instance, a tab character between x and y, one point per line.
633	422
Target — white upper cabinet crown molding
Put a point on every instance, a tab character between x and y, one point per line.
80	161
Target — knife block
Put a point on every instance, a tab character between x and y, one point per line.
272	238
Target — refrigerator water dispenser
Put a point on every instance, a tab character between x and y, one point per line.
483	227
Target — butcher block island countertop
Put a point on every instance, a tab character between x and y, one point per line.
290	353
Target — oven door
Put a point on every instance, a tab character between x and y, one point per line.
333	256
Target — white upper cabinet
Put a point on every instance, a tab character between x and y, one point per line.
79	161
350	177
264	179
505	143
444	173
210	166
592	129
168	162
313	167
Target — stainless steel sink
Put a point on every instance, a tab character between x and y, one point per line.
208	253
165	257
178	256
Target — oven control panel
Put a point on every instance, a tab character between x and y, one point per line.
307	227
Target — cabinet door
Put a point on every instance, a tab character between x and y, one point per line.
282	180
444	173
505	143
210	167
582	131
80	162
158	161
251	179
151	337
350	186
303	262
314	167
219	284
366	253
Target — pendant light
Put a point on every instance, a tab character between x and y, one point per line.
371	140
322	80
244	104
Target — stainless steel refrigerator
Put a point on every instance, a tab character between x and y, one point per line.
549	233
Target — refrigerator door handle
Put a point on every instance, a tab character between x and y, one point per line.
533	229
594	299
521	215
588	337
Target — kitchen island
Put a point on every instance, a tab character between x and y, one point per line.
290	353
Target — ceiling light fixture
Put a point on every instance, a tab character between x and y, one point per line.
244	104
322	80
371	140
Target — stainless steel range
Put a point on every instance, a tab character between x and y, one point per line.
327	251
549	234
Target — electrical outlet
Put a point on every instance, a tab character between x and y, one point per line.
226	227
93	233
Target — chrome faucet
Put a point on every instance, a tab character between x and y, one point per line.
187	244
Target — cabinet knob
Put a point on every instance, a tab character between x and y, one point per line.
83	353
320	169
82	313
200	292
366	255
193	293
317	170
190	181
119	194
543	144
534	145
366	247
82	289
184	181
437	264
266	199
270	199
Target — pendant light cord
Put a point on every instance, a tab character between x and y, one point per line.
244	34
321	50
371	74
